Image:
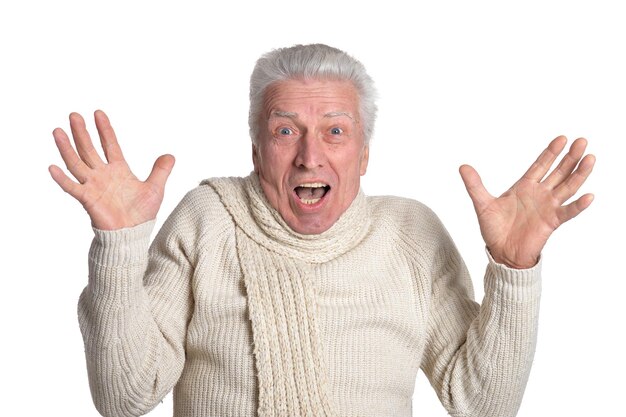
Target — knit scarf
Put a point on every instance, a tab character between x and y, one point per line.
277	264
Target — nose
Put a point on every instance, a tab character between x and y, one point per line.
310	152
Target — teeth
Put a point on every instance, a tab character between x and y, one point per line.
311	201
312	194
313	185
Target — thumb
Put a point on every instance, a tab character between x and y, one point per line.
475	188
161	170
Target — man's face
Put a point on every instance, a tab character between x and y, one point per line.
311	152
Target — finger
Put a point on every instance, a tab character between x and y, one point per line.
570	186
543	163
161	171
73	163
64	181
567	164
475	188
573	209
83	142
108	139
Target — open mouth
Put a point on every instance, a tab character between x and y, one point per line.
311	193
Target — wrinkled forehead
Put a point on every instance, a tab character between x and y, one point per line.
311	97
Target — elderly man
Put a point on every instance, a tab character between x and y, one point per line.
291	293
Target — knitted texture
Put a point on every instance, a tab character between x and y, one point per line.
244	317
281	297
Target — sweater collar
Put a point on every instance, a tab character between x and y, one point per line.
245	201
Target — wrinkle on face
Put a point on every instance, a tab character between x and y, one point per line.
311	134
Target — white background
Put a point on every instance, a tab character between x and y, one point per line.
485	83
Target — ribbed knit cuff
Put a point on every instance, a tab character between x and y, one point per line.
121	247
518	285
118	261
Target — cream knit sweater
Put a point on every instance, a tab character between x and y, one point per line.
244	317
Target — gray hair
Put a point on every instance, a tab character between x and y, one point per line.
315	61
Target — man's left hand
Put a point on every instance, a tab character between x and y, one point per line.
517	225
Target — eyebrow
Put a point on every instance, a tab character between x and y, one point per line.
338	113
292	115
280	113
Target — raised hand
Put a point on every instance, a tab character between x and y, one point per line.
517	225
113	197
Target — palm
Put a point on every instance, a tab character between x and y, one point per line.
520	220
517	225
110	193
113	193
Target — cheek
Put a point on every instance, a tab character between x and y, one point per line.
364	161
271	164
353	164
255	159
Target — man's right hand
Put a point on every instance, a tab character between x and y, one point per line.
113	197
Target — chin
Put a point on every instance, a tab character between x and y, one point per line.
310	226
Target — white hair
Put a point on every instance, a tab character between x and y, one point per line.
315	61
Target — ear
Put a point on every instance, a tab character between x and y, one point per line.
255	158
365	156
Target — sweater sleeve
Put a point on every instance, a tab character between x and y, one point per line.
478	358
133	315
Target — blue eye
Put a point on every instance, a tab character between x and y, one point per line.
285	131
336	131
